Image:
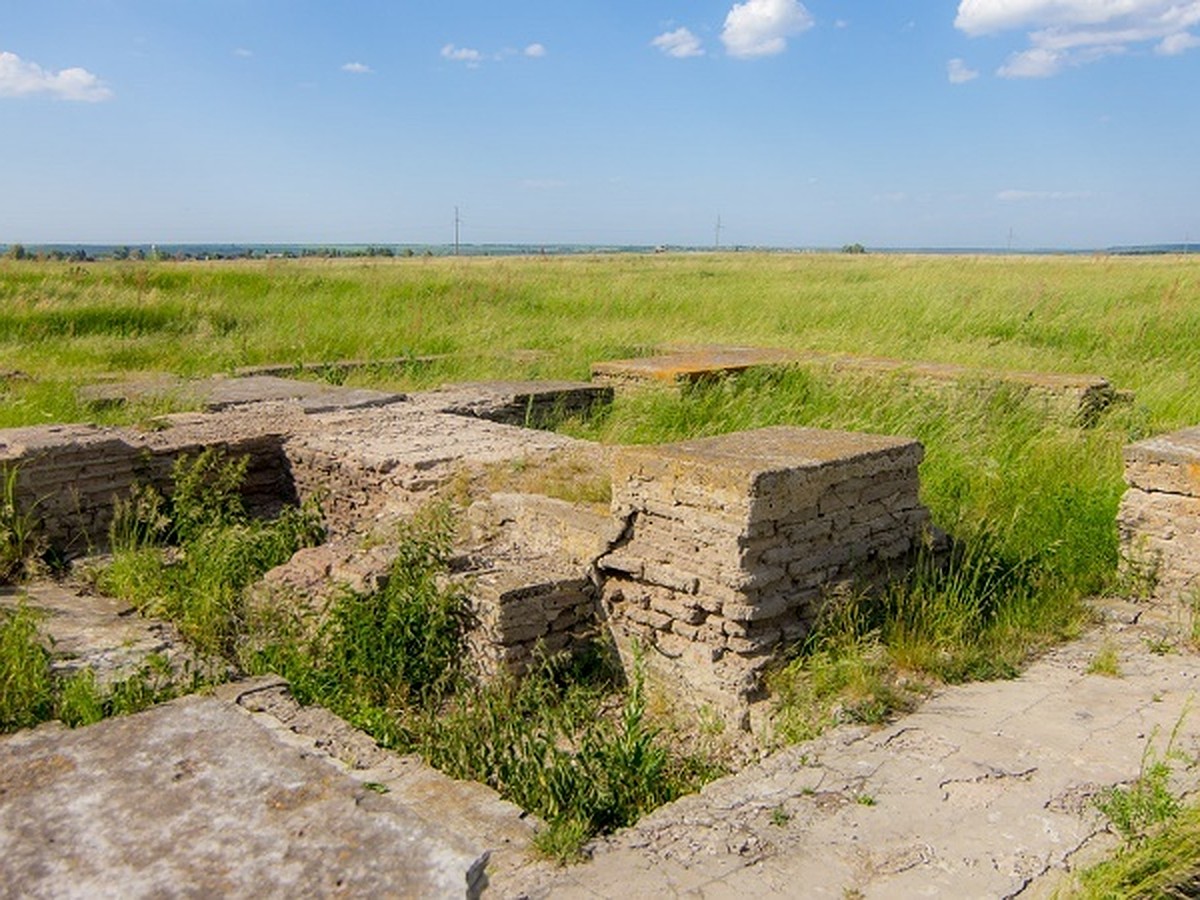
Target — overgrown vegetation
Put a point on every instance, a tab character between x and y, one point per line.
191	558
1160	833
561	743
1028	501
30	693
20	542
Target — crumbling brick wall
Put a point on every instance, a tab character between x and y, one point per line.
1159	517
731	543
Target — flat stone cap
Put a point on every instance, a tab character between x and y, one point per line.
779	447
689	365
1168	463
753	474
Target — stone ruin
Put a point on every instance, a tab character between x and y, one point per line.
1159	517
713	555
731	545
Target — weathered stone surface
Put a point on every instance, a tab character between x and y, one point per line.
987	791
219	392
530	404
1079	397
689	365
730	543
83	630
196	797
1159	517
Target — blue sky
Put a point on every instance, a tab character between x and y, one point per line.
1061	123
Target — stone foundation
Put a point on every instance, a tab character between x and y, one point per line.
715	554
1159	517
731	545
1077	398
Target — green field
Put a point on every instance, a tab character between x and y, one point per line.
1135	320
1028	498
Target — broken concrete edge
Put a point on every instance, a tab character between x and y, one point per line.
477	810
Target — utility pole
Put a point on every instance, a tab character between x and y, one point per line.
1010	239
456	223
718	243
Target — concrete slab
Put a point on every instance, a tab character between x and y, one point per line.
83	629
689	365
987	791
1080	396
219	393
197	798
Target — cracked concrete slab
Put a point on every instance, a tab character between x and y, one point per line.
198	797
988	790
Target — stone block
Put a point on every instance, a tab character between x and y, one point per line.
1158	520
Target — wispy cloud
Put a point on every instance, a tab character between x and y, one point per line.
680	43
1016	196
762	27
21	78
243	53
1067	33
356	68
959	72
1174	44
462	54
473	58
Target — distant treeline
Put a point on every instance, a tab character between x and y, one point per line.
89	252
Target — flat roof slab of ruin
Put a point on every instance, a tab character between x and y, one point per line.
219	392
210	802
1079	396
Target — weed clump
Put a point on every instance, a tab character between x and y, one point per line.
26	688
191	558
20	541
30	693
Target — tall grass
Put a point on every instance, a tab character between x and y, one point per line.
1130	319
215	549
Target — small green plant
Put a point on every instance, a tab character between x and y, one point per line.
1139	808
26	688
780	816
1106	661
864	799
20	541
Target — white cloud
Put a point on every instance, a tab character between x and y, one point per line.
680	43
1174	44
959	72
462	54
356	68
535	51
19	78
1013	196
243	53
1065	33
761	27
